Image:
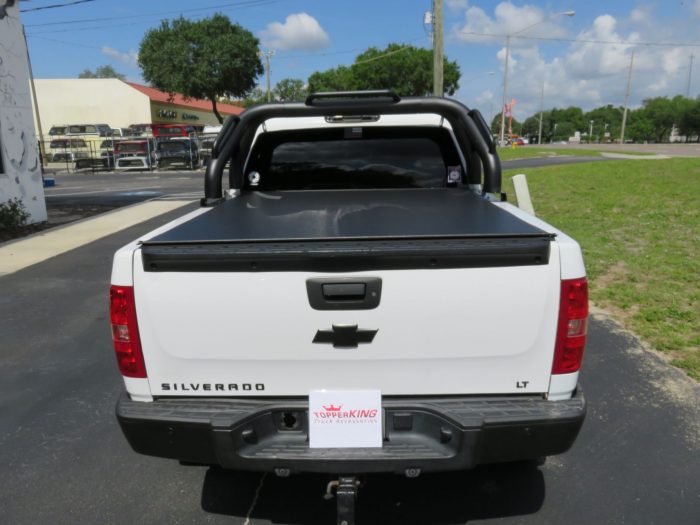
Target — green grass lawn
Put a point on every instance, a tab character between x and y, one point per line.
638	223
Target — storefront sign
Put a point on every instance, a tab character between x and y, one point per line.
167	113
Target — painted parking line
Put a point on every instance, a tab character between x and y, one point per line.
19	254
107	190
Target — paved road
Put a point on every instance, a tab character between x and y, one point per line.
119	189
672	150
64	461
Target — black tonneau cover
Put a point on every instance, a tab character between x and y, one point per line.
346	230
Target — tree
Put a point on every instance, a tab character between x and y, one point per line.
563	131
496	125
255	97
660	112
290	90
640	128
403	68
573	115
607	119
208	58
689	124
338	79
531	126
105	71
682	107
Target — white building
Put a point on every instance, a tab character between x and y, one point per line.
118	104
20	171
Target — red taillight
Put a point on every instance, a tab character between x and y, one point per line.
573	323
125	331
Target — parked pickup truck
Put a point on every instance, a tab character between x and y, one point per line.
361	298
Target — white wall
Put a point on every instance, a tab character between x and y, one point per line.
90	101
21	173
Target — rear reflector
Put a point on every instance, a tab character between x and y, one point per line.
125	331
572	327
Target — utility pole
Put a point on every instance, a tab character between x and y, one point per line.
267	56
438	90
627	96
539	133
690	76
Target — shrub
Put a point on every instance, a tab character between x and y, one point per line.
13	214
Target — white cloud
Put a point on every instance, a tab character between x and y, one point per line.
586	73
300	32
641	15
457	5
696	7
129	58
486	97
508	19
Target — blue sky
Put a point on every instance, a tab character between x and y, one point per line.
315	35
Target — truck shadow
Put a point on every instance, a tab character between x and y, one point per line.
486	492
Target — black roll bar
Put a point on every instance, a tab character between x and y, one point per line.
236	136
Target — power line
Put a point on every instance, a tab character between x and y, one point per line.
54	6
134	21
282	57
78	44
587	40
245	3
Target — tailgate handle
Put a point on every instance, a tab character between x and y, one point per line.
344	293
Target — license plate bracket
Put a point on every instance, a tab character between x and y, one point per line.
345	419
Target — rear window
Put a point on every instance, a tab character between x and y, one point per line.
131	147
82	129
68	143
352	158
172	146
170	131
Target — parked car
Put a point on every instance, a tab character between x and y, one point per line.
135	154
206	142
68	150
177	152
173	130
100	130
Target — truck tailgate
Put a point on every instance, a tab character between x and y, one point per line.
468	300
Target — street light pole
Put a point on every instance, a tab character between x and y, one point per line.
627	96
690	75
590	132
505	70
539	133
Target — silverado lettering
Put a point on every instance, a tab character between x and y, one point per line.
220	387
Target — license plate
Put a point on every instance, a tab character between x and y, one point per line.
345	419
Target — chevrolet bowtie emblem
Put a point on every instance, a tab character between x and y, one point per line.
344	336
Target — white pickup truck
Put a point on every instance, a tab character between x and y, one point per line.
362	250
